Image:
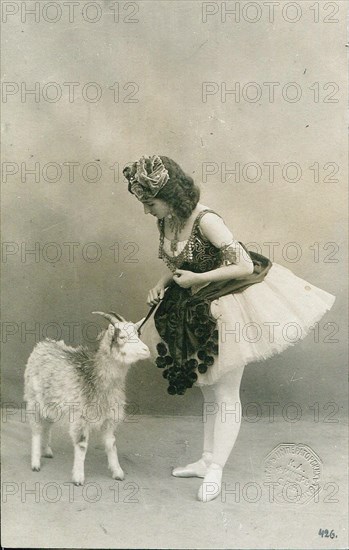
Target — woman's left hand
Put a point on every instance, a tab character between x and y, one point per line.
185	278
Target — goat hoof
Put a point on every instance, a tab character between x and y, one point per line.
36	468
119	475
78	479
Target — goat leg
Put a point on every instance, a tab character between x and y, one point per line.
36	446
79	434
46	435
35	421
111	450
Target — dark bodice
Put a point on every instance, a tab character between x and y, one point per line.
198	255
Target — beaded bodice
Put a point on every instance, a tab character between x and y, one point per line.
197	255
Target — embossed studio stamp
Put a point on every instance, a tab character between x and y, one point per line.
293	472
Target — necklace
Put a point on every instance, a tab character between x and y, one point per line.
175	225
174	243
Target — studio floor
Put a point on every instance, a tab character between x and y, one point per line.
152	509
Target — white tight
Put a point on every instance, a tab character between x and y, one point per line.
222	415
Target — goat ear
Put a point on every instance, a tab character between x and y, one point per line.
138	323
111	330
100	335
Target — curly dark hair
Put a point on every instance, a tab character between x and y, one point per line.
180	192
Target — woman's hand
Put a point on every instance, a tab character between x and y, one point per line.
156	294
186	279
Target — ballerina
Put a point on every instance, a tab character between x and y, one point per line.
217	308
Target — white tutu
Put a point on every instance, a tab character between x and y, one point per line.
259	322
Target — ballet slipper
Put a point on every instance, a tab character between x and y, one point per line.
195	469
212	485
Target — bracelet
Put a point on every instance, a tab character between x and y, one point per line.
228	253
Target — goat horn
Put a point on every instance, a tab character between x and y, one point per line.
107	316
119	317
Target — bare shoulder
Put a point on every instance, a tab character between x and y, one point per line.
207	215
211	218
214	229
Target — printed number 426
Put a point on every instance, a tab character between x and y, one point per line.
326	533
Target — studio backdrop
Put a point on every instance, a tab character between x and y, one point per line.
257	129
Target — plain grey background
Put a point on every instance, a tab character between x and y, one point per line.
168	54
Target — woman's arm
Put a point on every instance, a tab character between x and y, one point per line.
165	279
224	273
237	263
157	293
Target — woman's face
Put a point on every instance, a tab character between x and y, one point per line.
156	207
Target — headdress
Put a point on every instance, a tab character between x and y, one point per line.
146	184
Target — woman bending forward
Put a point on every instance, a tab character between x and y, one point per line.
217	308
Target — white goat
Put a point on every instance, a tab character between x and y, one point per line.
63	379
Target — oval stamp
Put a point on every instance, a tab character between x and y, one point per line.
293	472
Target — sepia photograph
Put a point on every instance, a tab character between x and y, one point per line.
174	274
